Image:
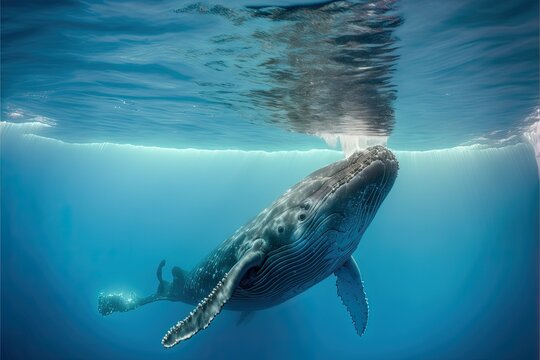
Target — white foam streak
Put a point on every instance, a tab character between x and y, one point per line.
532	135
351	143
16	132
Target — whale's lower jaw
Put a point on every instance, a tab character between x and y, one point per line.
290	270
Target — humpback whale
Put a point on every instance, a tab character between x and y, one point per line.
306	235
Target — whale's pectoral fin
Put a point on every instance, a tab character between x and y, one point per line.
350	288
211	306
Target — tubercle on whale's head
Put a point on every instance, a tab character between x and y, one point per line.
344	196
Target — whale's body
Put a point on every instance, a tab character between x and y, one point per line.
306	235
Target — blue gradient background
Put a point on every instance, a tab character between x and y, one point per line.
450	262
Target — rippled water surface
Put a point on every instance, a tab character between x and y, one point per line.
426	74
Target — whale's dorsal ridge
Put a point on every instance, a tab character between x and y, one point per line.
212	304
350	288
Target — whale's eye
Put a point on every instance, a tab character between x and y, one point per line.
302	217
280	229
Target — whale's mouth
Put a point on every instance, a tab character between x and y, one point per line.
361	162
347	195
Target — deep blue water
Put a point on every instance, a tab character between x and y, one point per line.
133	132
450	262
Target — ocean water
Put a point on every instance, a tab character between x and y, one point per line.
139	131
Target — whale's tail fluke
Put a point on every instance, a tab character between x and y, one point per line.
117	302
122	302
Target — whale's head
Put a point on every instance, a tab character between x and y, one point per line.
340	200
317	224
